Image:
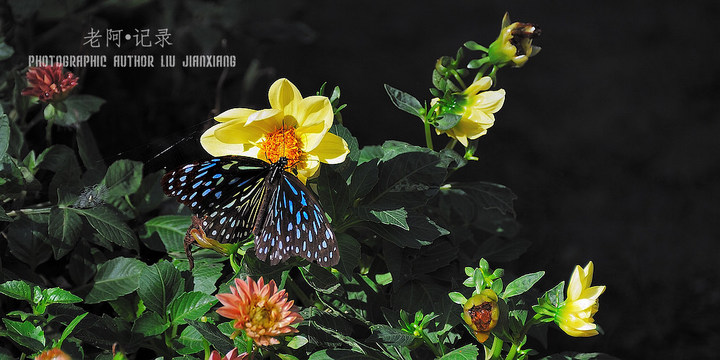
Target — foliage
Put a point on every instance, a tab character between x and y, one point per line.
93	260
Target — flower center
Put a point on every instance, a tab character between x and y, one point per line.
282	143
481	316
260	316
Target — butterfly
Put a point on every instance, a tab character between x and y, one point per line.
235	196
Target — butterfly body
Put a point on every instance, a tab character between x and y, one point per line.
235	196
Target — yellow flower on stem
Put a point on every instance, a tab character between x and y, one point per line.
481	313
514	45
294	127
476	107
261	310
575	314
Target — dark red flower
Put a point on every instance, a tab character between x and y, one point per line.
48	83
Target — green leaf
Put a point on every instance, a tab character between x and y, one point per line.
297	342
150	324
571	355
79	108
522	284
447	121
395	217
457	298
555	295
26	239
16	289
64	230
338	354
406	179
159	285
70	327
213	335
115	278
363	180
333	194
123	177
4	129
190	306
321	279
191	340
422	231
349	249
205	275
25	334
5	51
109	225
390	336
59	296
405	101
474	46
467	352
171	229
3	216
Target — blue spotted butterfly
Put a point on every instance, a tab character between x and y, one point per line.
235	196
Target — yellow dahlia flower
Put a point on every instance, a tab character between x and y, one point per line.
261	310
514	45
481	313
294	127
477	107
575	314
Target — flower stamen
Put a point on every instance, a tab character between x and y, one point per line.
282	143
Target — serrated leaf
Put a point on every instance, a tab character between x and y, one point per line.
115	278
363	180
404	101
26	239
390	336
4	129
213	335
158	285
123	177
64	230
333	194
109	225
59	296
349	249
25	334
205	275
406	179
395	217
467	352
16	289
321	279
522	284
191	340
171	229
190	306
150	324
422	231
555	295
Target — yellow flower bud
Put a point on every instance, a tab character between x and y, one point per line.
514	44
481	313
575	315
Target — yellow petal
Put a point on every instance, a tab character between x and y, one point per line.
331	150
240	134
284	96
216	147
314	117
575	286
490	101
233	114
481	84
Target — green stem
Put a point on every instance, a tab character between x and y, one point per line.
459	79
206	347
29	212
428	135
430	344
520	335
512	353
451	144
48	131
496	348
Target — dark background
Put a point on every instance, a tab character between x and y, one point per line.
608	136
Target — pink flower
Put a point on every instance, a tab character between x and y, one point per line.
261	310
232	355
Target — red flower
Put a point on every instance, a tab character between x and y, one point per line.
48	83
232	355
261	310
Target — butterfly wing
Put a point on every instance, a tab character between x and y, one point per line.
295	226
225	192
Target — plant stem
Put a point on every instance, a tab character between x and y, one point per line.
29	211
511	354
430	345
428	135
496	348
